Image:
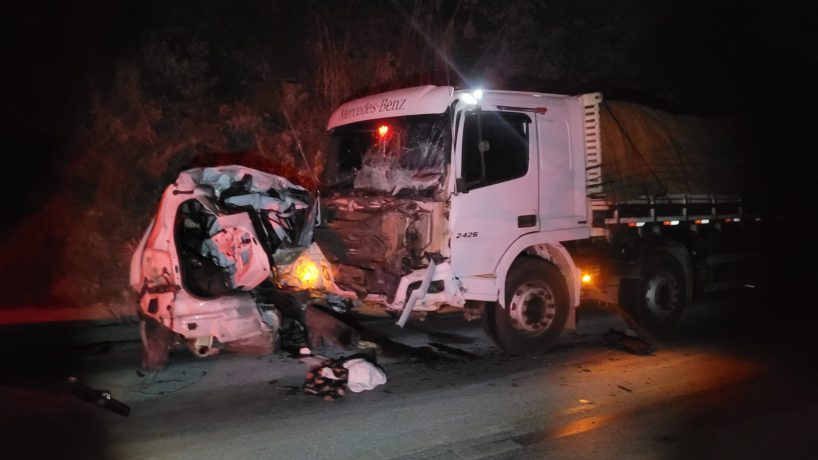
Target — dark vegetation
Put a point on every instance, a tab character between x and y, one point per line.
104	103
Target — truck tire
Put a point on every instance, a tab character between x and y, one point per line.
658	299
536	310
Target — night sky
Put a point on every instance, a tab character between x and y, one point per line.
694	56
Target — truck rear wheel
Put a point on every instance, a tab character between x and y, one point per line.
659	297
536	308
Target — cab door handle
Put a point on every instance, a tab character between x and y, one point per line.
527	220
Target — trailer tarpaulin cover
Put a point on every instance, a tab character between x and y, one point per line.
651	152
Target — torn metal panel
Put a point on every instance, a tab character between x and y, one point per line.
227	318
417	294
444	289
234	246
222	178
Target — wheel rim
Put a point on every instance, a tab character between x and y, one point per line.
662	294
532	308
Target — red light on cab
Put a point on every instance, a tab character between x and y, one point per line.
383	130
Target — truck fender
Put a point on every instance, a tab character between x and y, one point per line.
546	247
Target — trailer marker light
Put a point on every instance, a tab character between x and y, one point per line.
636	224
670	222
728	220
702	221
383	130
737	219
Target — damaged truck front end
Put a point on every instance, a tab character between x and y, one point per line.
385	213
432	199
211	268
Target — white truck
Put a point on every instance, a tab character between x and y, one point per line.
508	205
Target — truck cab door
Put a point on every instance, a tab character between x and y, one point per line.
496	199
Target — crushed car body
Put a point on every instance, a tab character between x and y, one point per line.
224	247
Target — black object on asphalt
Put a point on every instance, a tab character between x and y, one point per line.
627	343
101	398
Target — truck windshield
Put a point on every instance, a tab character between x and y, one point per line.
392	155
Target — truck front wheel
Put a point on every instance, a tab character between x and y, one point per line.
536	308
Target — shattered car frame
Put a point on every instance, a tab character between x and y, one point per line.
225	244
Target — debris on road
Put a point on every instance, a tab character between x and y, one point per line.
627	343
624	388
363	375
101	398
454	351
333	377
325	328
42	379
443	337
288	390
168	381
365	338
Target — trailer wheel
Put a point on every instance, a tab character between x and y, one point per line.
157	342
536	308
661	295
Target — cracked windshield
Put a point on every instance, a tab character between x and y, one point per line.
390	155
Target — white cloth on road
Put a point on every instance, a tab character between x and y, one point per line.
363	375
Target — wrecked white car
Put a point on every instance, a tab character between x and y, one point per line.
220	264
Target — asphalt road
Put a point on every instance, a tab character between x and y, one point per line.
731	384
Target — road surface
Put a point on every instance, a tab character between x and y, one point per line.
729	385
